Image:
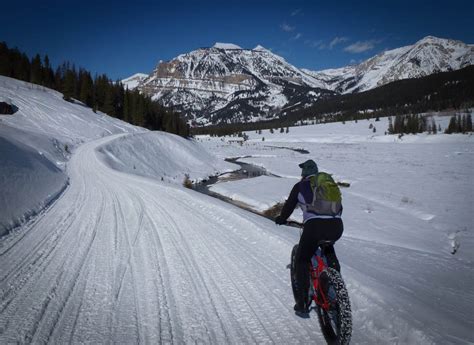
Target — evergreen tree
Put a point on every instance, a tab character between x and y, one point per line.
69	83
108	106
399	125
422	124
5	60
464	124
390	126
36	76
86	93
126	106
433	126
452	127
48	74
468	123
21	67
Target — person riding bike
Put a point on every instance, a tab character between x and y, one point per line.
316	227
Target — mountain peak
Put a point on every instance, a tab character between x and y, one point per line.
219	45
133	81
260	48
431	39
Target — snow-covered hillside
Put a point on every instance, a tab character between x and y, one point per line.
163	156
36	143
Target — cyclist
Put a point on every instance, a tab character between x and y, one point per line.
316	227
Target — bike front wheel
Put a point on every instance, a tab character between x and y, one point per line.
294	283
335	321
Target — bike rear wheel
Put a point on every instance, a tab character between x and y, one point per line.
336	321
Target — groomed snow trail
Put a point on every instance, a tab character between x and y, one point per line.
125	259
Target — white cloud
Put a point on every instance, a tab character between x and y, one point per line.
361	46
295	12
337	40
287	28
314	44
297	36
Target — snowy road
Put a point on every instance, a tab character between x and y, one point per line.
120	258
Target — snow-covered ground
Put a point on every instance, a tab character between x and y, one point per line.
122	256
408	207
421	182
35	144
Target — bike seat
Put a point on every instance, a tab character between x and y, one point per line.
324	243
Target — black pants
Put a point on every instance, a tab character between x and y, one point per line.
315	230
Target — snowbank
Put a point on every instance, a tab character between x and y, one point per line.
28	182
163	156
35	144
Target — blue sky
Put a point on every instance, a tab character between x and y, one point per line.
121	38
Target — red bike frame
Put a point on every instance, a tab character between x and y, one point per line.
319	296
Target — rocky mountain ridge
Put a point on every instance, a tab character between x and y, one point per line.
226	83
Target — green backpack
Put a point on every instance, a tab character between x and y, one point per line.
327	199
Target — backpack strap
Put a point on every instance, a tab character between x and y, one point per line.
306	191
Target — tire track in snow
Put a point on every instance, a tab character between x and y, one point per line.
243	300
196	285
139	261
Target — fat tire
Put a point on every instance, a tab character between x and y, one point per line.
342	334
293	272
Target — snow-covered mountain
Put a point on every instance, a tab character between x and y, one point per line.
133	81
228	83
425	57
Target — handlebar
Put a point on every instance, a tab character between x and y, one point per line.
294	224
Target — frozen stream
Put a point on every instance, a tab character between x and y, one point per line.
246	171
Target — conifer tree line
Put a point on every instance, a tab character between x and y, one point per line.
459	124
411	124
98	92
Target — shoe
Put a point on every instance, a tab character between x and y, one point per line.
298	308
301	312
